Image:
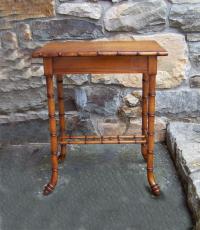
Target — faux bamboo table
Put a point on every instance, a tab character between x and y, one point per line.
80	57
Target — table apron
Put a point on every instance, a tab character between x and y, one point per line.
100	64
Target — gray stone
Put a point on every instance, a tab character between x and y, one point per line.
195	81
125	112
136	16
75	79
98	99
104	186
24	35
109	125
160	127
194	49
65	29
178	103
184	1
193	37
8	85
22	100
186	17
83	10
131	100
183	140
9	40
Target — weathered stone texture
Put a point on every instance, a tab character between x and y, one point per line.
193	37
160	127
24	9
184	102
98	99
186	17
83	10
24	35
136	16
108	125
171	69
65	29
22	101
183	140
75	79
126	112
184	1
195	81
131	100
194	48
127	80
9	40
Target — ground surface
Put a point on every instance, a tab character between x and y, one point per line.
101	187
183	140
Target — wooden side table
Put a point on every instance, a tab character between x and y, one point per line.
80	57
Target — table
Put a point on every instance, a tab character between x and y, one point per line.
80	57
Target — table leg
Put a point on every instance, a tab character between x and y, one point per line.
145	85
61	115
151	118
54	144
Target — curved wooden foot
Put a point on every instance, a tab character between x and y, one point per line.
48	188
155	189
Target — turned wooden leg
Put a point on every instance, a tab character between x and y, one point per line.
151	117
61	115
145	85
54	145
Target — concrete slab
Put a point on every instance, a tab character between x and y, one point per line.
183	140
101	187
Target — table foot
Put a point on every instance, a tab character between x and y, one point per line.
155	189
48	188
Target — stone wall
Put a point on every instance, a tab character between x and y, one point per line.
103	104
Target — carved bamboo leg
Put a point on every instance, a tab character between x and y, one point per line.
151	117
61	115
145	85
54	145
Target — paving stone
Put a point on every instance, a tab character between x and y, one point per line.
99	187
183	140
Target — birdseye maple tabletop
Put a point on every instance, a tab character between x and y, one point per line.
95	48
60	58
